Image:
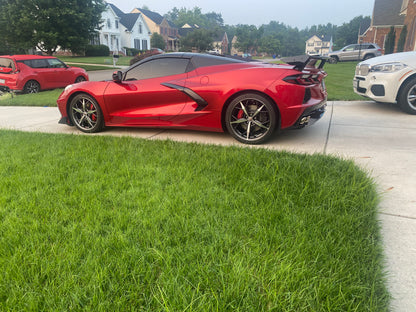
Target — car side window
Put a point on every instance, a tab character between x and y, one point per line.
349	48
36	63
55	63
158	68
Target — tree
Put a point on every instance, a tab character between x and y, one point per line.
248	38
348	32
48	24
200	39
390	41
195	16
157	41
402	39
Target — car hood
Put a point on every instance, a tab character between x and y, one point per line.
408	58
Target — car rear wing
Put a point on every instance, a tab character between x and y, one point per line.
302	61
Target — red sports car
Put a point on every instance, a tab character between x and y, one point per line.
202	92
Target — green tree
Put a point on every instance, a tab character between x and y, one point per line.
195	16
402	39
48	24
348	32
248	38
157	41
199	39
390	41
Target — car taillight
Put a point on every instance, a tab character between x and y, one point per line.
302	79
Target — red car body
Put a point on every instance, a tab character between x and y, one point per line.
32	73
201	92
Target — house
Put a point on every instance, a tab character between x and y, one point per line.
120	30
386	13
221	44
319	45
159	24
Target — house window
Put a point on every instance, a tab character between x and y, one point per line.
144	44
140	28
137	44
108	23
116	24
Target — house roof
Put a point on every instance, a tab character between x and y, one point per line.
365	24
127	19
325	38
387	13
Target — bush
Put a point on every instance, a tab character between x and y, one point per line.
97	50
132	51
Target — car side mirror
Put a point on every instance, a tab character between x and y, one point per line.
117	76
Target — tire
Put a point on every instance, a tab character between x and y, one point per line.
251	118
80	79
368	56
32	86
333	60
86	114
407	97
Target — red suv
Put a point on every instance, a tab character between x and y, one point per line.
32	73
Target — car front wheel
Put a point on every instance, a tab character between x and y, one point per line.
407	97
251	118
86	114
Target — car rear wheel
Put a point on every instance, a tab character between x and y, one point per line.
32	86
251	118
86	114
407	97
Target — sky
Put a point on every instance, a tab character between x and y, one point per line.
294	13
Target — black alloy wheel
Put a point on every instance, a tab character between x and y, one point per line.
32	86
251	118
86	114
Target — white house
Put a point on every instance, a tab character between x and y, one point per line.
319	45
120	30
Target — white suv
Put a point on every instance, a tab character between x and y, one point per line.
389	78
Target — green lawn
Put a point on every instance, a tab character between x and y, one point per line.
96	223
100	60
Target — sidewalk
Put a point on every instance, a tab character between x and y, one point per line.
378	137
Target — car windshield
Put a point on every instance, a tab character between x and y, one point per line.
6	62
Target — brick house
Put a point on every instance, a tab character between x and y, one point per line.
159	24
396	13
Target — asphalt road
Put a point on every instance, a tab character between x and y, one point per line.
378	137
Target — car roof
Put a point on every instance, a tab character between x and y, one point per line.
198	59
21	57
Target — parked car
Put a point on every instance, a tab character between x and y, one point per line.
355	52
32	73
201	92
389	78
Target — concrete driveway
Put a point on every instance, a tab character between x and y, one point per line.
378	137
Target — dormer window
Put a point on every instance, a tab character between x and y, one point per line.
140	28
108	23
116	24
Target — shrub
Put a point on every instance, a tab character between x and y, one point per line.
97	50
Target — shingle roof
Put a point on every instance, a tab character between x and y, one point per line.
128	20
387	13
155	17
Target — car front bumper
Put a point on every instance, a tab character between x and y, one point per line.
381	87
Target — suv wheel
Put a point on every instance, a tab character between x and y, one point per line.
333	60
32	86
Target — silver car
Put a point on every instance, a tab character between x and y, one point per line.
355	52
390	78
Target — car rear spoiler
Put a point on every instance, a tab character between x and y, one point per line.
302	61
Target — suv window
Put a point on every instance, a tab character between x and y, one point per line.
36	63
55	63
6	62
158	68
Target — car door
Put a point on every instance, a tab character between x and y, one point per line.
59	73
143	98
348	53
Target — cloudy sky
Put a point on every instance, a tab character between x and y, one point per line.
295	13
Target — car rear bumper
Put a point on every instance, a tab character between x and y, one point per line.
311	115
